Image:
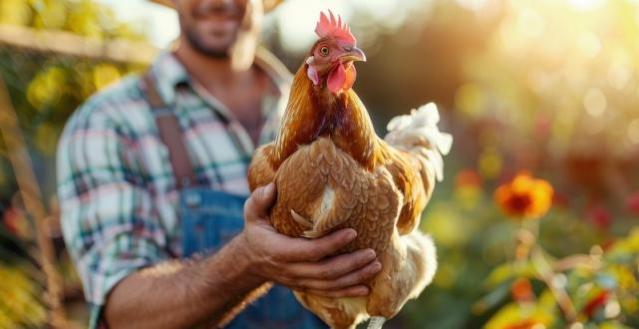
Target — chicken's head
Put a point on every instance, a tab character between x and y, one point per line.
330	62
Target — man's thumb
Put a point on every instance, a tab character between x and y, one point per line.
261	201
266	194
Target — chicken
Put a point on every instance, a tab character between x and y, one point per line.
332	171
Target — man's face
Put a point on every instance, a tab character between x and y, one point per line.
211	26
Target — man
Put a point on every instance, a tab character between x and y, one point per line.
153	171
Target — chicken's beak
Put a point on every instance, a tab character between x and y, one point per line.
353	54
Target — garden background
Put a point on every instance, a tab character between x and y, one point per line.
537	220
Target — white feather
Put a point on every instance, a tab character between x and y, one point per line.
418	132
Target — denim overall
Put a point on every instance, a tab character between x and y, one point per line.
210	219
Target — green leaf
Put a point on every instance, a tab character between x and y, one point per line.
509	271
493	298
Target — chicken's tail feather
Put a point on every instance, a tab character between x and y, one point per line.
376	322
418	133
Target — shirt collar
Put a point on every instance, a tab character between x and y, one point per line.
169	73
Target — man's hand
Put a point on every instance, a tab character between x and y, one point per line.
170	294
300	263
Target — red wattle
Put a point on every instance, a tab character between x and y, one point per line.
351	75
336	79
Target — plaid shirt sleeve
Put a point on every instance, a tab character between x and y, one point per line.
108	221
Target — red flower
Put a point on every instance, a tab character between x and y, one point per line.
595	303
633	203
560	200
600	217
11	219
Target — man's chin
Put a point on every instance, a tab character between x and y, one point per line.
210	48
213	52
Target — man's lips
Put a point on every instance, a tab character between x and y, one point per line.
218	16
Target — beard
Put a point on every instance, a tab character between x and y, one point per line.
200	46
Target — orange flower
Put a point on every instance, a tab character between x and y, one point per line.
521	290
526	324
524	197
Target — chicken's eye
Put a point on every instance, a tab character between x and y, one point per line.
324	51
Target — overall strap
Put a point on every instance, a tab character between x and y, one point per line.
170	134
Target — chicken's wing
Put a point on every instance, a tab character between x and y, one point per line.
261	171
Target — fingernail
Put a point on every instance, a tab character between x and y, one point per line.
270	187
370	254
351	234
362	291
377	266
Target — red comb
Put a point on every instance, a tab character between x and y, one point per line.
330	27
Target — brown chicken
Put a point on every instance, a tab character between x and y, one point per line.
332	171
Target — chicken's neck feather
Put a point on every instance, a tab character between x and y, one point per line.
313	112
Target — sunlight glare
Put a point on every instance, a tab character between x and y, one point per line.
595	102
586	4
589	44
474	5
159	21
619	76
297	18
530	23
633	131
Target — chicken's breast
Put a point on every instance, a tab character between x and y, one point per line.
321	189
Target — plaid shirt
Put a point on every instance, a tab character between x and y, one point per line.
116	187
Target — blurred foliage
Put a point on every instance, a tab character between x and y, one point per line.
45	88
478	284
82	17
548	87
20	299
21	293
